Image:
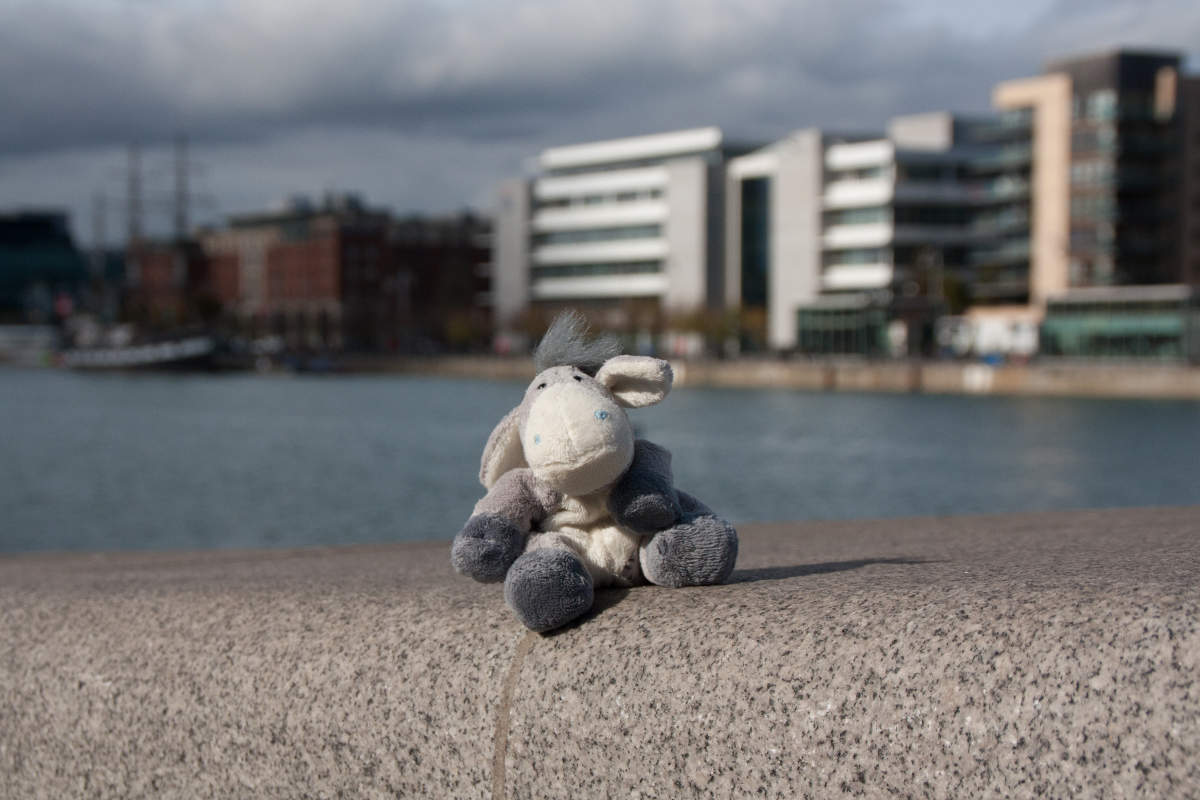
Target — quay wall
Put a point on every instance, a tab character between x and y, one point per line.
934	377
1024	655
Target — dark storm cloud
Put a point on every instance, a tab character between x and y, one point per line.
102	72
426	103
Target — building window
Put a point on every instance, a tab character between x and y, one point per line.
858	216
1101	105
756	240
866	173
863	255
598	235
593	270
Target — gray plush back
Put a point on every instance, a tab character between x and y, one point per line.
566	343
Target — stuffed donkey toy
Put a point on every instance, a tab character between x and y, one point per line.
574	502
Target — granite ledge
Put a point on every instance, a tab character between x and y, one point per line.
1044	654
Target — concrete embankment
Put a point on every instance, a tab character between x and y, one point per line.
1029	655
935	377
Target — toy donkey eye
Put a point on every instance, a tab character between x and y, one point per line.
541	386
577	377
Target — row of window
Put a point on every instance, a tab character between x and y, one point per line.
858	216
932	215
599	234
865	173
858	255
1107	104
708	156
591	270
599	199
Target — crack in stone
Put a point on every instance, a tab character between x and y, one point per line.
500	740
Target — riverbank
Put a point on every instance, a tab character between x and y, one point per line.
1045	378
1018	655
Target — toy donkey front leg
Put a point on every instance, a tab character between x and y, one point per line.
686	544
546	587
494	536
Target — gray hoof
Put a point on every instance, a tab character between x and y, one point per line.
644	512
548	588
699	551
486	547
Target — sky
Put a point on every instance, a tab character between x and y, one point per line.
425	105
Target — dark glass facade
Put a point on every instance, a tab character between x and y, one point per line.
1125	157
756	241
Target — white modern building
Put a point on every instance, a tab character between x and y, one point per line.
608	223
836	225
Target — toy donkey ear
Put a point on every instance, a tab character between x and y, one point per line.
503	450
636	381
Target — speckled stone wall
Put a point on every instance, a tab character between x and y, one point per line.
1019	655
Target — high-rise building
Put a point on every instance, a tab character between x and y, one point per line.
615	225
1189	179
1086	181
1109	202
839	236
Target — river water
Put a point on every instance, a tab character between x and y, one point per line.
117	462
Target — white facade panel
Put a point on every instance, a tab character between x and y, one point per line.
874	234
687	235
510	251
591	183
857	276
601	252
659	145
600	216
760	164
600	286
794	271
859	155
858	193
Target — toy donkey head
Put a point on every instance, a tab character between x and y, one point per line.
571	428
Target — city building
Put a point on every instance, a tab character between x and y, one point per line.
283	272
431	292
849	242
166	285
43	275
340	276
1111	203
624	228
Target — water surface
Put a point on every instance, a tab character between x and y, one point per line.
113	462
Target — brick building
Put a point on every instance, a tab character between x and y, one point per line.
340	276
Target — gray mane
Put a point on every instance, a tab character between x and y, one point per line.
567	344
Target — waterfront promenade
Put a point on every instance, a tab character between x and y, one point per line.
1043	378
1022	655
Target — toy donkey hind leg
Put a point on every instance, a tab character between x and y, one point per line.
698	550
686	544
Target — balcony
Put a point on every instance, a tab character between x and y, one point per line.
934	191
1014	252
1009	157
1006	188
855	193
600	183
842	277
601	252
1006	222
933	234
599	286
599	216
876	234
